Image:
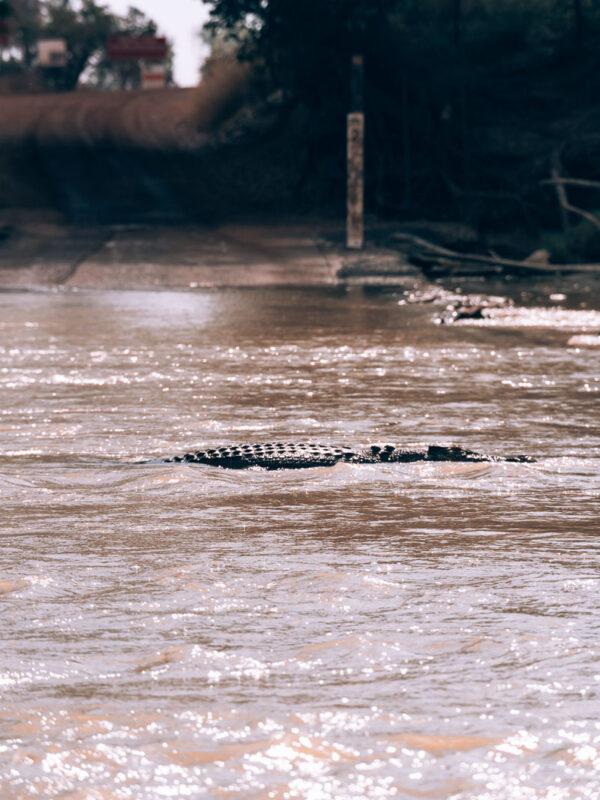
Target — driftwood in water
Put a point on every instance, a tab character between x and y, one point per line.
439	259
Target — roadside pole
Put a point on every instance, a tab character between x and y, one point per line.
356	158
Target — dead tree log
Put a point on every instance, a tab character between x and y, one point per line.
425	253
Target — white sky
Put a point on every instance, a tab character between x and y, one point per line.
180	21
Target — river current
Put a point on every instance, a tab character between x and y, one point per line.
361	631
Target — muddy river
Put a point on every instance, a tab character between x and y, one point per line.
360	631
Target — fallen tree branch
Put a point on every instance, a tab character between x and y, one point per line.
561	192
572	182
565	206
420	250
585	214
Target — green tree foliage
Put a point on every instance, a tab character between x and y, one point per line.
85	27
85	31
456	91
102	73
305	45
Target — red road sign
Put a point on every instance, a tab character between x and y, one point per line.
137	48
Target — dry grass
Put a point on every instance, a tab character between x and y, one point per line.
225	89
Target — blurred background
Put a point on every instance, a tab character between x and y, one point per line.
481	114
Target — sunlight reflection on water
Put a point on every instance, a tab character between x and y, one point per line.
411	630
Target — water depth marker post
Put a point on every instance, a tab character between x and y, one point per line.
356	158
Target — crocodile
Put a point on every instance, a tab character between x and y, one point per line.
279	455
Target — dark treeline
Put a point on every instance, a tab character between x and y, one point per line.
473	107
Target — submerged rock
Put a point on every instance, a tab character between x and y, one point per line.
473	307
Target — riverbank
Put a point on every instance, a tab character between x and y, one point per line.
49	255
141	190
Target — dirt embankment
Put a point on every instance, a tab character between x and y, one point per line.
95	158
95	184
157	119
130	189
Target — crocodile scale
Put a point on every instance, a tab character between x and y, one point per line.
279	455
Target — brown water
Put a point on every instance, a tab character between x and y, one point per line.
385	631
